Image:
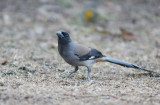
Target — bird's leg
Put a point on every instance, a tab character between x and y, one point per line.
89	70
75	70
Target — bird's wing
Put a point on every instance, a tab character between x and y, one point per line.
81	50
85	53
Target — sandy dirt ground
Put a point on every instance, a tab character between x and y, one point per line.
33	73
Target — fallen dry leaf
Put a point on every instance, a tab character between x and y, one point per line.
4	62
127	36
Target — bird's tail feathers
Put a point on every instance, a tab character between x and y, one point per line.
122	63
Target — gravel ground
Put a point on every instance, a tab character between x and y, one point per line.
32	72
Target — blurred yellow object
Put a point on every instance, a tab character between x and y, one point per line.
88	14
91	16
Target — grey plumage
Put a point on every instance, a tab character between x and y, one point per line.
81	50
125	64
78	55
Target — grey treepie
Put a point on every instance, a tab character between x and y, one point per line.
79	55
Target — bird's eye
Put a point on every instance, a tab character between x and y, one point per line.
65	34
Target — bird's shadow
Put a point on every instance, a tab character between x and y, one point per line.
143	75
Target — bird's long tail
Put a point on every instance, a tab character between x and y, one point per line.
122	63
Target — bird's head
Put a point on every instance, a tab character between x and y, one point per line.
63	37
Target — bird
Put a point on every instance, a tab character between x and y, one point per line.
81	55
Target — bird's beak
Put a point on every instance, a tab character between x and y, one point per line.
59	34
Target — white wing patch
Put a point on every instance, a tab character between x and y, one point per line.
92	57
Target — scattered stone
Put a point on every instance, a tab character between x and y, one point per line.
24	68
61	70
27	70
1	84
10	73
